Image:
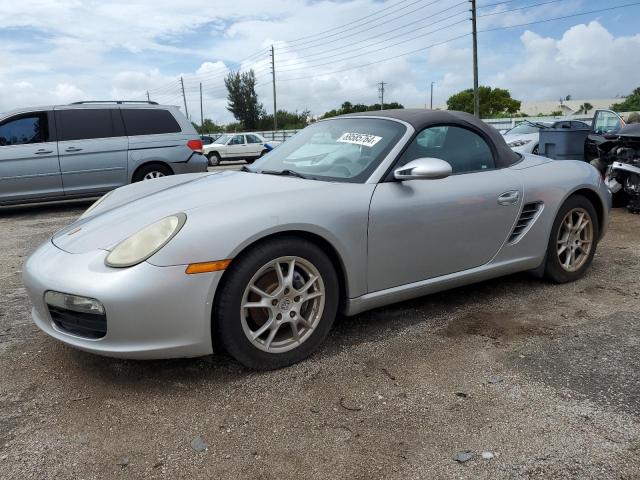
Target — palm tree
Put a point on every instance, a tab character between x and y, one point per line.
585	107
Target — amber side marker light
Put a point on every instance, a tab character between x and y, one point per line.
205	267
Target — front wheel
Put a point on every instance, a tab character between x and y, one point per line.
213	159
277	304
573	241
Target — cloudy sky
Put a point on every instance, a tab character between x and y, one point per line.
57	51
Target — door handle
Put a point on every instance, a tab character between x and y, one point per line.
509	198
73	149
42	151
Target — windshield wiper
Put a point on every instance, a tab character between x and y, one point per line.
285	172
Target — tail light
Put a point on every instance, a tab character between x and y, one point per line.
195	145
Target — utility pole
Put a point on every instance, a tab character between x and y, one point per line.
476	93
273	77
382	84
432	83
201	114
184	97
148	98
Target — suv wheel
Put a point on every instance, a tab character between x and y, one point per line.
149	172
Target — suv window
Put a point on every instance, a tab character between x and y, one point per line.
463	149
237	140
147	121
253	139
83	124
25	128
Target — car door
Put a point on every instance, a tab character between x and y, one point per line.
93	149
29	166
606	124
255	145
421	229
236	147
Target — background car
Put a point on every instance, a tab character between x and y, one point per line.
525	137
238	146
89	148
210	138
405	203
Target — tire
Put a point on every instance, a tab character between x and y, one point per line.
556	267
214	159
151	171
232	325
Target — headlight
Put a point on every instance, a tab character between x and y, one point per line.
144	243
518	143
95	204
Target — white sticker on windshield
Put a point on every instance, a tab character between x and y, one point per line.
359	139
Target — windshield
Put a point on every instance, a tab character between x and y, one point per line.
344	149
222	139
523	129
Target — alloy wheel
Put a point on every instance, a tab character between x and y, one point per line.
282	304
575	239
152	175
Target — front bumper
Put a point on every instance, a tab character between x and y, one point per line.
152	312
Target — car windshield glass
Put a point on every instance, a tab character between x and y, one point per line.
523	129
223	139
342	149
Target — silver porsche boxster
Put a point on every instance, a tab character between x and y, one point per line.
352	213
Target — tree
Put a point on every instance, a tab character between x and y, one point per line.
348	107
630	104
286	120
242	98
494	102
208	127
585	108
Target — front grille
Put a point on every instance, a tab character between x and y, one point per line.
529	212
87	325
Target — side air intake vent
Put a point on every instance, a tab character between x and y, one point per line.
529	212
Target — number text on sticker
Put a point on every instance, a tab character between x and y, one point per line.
359	139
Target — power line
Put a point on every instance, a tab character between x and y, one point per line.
381	60
560	18
352	33
445	27
520	8
465	11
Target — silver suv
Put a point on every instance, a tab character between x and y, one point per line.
88	148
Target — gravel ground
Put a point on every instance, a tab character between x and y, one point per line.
544	378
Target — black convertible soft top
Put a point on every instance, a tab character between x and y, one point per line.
420	119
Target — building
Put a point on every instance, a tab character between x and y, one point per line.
567	107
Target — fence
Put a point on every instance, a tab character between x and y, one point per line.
498	123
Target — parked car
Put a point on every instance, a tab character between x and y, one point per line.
525	137
210	138
88	148
257	262
237	146
605	127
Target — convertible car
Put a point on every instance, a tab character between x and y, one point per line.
352	213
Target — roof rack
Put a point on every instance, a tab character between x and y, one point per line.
150	102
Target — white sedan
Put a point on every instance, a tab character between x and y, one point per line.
240	146
525	137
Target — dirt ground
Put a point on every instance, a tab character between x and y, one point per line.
544	378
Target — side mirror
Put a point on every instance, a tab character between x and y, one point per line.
425	168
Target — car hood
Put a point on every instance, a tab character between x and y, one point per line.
131	208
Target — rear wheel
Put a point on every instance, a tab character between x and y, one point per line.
149	172
573	242
277	304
